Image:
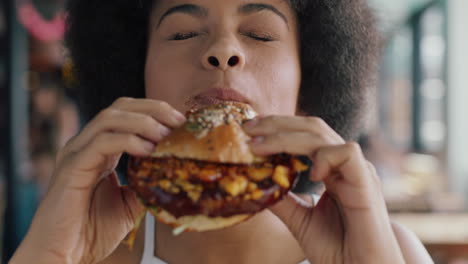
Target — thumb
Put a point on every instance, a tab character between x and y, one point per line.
295	213
309	223
137	212
133	206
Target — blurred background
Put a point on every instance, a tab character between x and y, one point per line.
416	136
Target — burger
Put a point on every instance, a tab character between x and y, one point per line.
203	176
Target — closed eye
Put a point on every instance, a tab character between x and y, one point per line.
259	37
183	36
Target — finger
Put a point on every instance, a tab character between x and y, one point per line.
345	160
113	120
278	124
294	212
159	110
126	122
118	204
310	224
297	143
89	164
136	213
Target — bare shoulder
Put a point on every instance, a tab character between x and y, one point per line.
412	248
123	255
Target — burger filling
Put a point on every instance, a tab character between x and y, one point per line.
190	187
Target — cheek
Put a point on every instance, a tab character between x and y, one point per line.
162	77
279	79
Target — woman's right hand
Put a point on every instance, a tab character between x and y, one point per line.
85	213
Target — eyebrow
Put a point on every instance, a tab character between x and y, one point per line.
201	12
189	9
257	7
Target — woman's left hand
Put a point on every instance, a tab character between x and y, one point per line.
350	223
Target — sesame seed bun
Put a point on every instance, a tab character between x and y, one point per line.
212	134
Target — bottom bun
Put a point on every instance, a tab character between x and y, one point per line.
197	223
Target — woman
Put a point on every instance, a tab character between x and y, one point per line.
282	57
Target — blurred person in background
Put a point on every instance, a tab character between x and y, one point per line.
305	66
54	120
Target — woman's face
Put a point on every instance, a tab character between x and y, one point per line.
203	51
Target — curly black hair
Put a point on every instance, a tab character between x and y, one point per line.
339	46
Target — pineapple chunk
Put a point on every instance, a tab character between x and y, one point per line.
234	185
194	195
252	187
259	174
165	184
182	174
209	175
175	189
257	194
185	185
298	166
280	176
277	194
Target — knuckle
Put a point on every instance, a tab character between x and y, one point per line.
377	179
160	127
354	147
103	137
122	101
164	105
371	167
281	137
373	171
320	154
60	155
317	125
70	148
132	140
147	120
316	121
323	137
273	119
270	123
107	113
69	144
67	161
268	120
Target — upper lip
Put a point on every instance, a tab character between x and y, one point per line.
217	95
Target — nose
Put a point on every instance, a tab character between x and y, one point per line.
223	55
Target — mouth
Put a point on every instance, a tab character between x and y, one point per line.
215	96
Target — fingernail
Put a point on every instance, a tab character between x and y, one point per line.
180	117
164	131
251	123
257	140
149	147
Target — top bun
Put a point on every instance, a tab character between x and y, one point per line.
213	133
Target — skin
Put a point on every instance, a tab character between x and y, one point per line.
267	72
85	213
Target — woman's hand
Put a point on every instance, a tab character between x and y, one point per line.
85	213
350	223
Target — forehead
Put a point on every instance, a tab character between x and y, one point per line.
222	5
